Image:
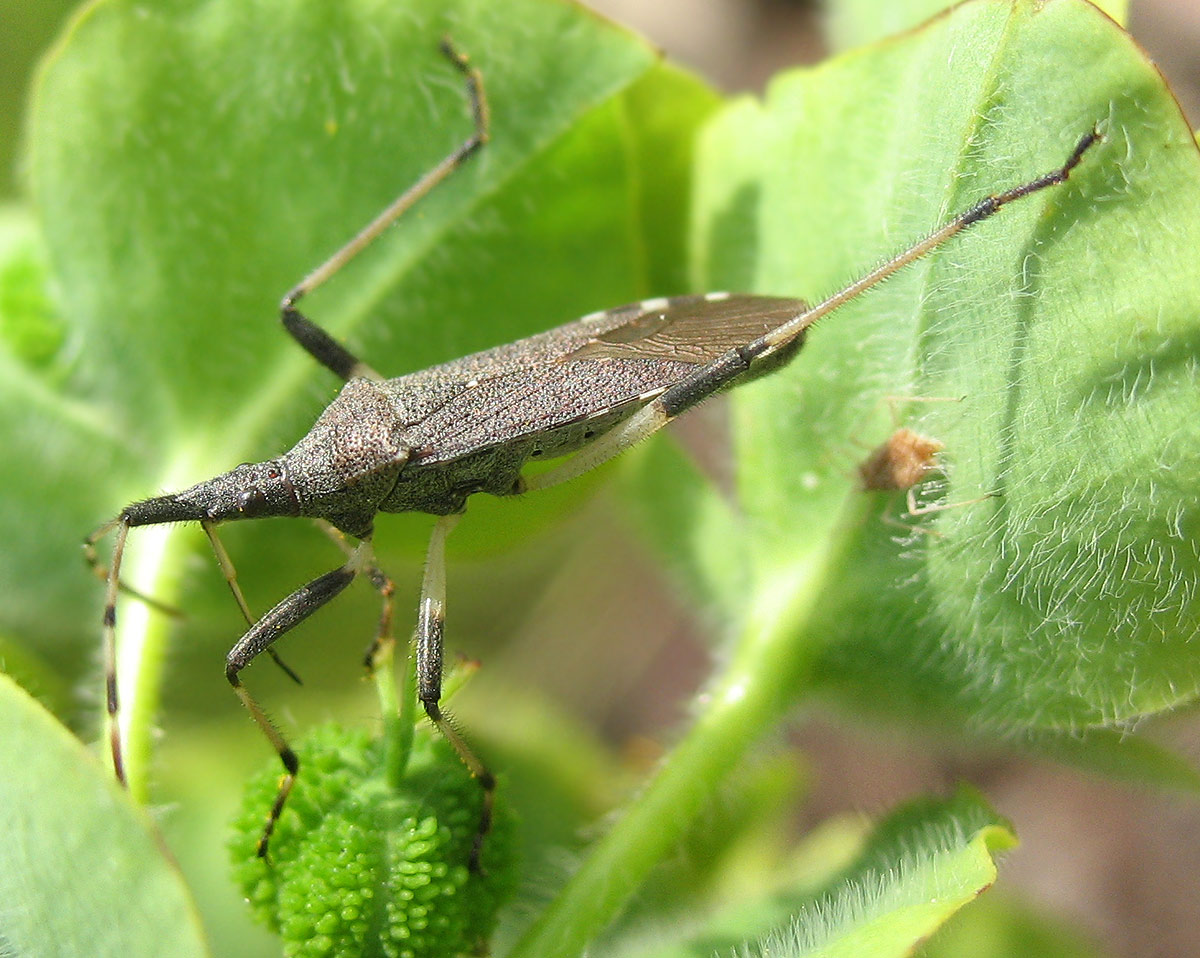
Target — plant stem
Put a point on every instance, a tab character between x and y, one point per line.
769	666
396	712
142	635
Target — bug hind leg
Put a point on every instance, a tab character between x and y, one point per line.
430	627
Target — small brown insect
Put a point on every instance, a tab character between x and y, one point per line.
901	462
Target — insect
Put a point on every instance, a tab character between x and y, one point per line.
904	460
430	440
900	462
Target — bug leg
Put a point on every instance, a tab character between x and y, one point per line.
383	632
741	360
230	574
101	571
430	624
915	510
322	347
319	344
383	585
111	702
286	615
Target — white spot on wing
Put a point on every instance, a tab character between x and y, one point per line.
716	297
659	302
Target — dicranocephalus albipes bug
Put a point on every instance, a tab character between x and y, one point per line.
429	440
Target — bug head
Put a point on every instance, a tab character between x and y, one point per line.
253	490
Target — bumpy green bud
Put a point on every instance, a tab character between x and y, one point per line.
358	868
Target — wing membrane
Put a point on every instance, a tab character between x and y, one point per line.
688	329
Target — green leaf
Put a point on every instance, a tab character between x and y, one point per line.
1069	597
918	867
942	117
65	890
853	23
29	326
924	862
999	928
1117	754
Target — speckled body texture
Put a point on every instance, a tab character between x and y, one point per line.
426	441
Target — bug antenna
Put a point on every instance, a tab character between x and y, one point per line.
976	214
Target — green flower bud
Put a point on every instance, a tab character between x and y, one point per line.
356	867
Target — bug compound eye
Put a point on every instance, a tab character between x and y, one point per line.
252	503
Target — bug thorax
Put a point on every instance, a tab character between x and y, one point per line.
349	461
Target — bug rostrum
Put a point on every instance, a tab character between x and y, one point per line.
428	441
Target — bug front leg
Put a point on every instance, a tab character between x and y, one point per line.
319	344
101	571
430	627
383	585
259	637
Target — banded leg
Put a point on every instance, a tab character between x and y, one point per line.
112	576
430	627
709	379
111	702
383	631
323	347
286	615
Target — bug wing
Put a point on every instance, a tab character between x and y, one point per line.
589	370
515	406
688	329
